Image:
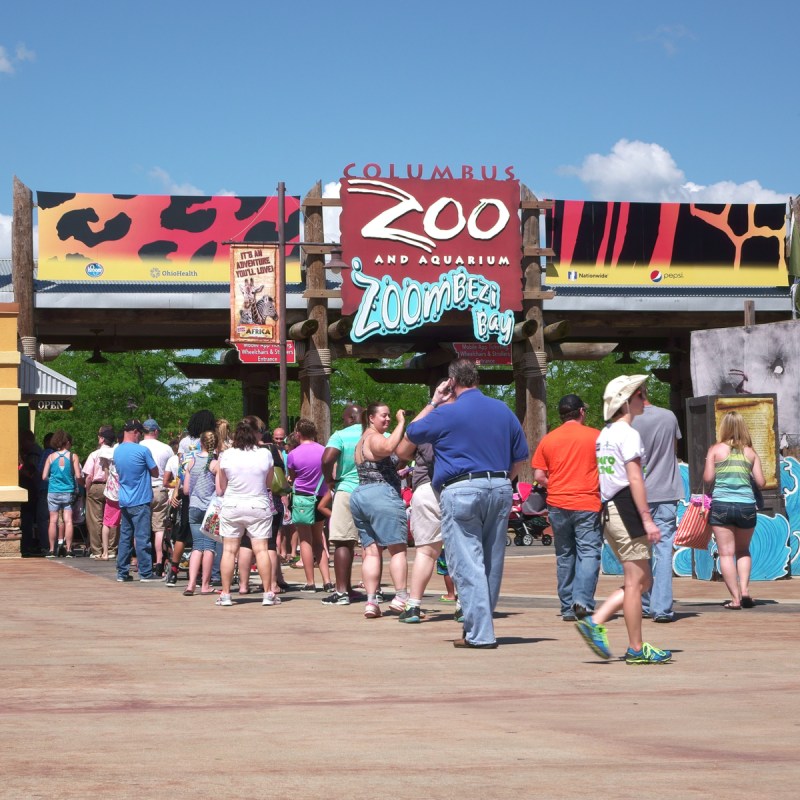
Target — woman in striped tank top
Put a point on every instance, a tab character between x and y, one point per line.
734	467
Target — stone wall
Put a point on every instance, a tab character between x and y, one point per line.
9	530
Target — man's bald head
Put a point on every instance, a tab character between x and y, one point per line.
351	414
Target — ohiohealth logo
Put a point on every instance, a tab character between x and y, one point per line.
572	276
656	276
155	273
94	270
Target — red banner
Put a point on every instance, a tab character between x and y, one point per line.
419	248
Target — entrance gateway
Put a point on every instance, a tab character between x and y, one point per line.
448	255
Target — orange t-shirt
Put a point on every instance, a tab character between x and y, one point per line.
568	455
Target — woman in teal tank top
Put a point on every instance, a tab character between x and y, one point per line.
733	466
62	471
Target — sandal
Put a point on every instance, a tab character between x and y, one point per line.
188	592
747	601
244	590
731	606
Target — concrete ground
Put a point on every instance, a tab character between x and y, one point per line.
134	691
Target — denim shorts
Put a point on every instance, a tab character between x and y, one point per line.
200	541
56	501
733	515
379	514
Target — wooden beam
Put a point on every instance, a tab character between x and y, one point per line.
534	204
319	202
534	251
538	294
319	294
22	257
489	377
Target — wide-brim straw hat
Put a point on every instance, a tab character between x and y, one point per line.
619	391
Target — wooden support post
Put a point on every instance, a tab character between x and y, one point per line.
531	369
22	264
749	313
315	373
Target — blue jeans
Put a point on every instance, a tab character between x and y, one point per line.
658	601
134	525
474	524
578	541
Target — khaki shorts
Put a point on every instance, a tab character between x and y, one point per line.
341	527
426	517
617	538
159	508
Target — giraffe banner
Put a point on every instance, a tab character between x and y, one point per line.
255	303
666	244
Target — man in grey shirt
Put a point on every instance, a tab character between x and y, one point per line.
660	433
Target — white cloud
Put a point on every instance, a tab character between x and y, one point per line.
5	236
24	54
5	62
668	37
647	172
171	186
330	216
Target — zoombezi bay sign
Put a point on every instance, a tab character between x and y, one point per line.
420	248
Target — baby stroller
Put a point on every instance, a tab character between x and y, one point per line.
528	517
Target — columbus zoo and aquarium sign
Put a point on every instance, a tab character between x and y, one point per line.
422	245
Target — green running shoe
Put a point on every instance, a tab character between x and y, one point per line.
595	636
411	614
647	655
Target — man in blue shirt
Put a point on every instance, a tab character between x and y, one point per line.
135	466
473	473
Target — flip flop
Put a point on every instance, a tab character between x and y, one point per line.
213	591
445	599
731	607
747	601
188	592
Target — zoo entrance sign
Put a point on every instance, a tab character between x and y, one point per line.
419	247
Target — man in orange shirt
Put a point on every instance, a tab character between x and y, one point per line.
565	462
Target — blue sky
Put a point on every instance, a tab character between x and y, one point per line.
620	101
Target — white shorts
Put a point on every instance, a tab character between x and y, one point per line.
238	515
426	517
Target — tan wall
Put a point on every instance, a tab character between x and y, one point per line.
9	400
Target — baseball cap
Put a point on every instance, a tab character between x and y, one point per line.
619	391
570	403
133	425
151	425
107	432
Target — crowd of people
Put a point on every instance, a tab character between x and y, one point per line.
234	496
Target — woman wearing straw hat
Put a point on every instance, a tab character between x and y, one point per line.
629	529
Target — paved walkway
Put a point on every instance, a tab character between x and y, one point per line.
134	691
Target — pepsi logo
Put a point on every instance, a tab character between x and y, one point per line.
656	276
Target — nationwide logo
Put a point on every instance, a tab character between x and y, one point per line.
572	276
94	270
656	276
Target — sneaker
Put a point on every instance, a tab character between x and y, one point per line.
459	614
223	600
172	579
595	636
270	599
356	597
329	587
50	554
379	598
647	655
310	588
398	603
568	617
124	578
665	618
411	614
151	578
372	611
337	599
69	554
